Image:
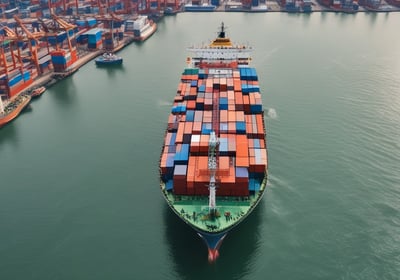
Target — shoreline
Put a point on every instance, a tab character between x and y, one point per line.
51	78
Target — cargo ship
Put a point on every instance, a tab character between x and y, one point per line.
143	28
107	59
213	165
13	108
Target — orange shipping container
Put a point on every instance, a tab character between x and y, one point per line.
237	85
223	163
231	96
231	143
240	116
232	127
179	133
238	98
196	128
223	116
231	116
193	90
262	143
188	128
260	129
242	161
242	149
191	105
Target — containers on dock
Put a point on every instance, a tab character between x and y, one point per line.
372	4
15	81
11	12
326	3
45	64
129	25
94	37
307	6
139	23
63	59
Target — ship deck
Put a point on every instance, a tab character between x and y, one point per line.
231	210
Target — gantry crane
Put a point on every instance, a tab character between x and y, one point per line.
31	37
12	38
63	25
109	19
69	3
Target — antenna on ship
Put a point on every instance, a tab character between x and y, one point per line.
212	167
221	33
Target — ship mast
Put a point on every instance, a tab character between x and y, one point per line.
212	167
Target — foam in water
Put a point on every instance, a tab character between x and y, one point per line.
271	113
162	103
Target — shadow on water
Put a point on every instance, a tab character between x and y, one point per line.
64	92
8	133
189	252
112	70
372	18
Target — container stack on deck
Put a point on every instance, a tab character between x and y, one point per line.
242	156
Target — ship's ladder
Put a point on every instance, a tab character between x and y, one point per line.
213	155
212	167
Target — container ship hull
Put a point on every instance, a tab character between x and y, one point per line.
213	164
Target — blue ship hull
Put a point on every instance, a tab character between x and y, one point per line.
213	241
109	62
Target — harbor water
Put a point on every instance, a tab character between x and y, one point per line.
79	186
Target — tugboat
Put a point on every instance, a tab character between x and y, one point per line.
38	91
108	59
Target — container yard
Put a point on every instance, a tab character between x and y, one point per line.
45	40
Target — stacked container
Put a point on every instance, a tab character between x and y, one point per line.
15	82
63	59
94	38
225	101
129	26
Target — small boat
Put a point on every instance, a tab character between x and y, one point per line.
38	91
169	11
13	108
108	59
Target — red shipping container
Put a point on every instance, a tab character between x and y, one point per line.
242	161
